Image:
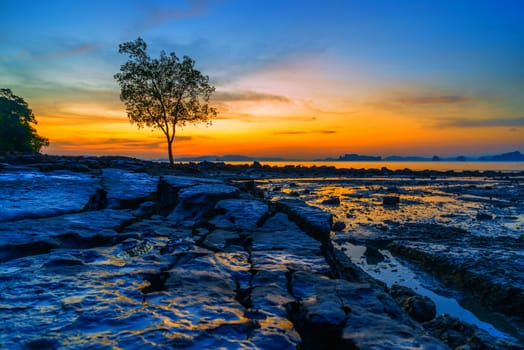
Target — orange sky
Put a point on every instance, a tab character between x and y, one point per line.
294	80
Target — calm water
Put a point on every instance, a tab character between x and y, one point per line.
442	166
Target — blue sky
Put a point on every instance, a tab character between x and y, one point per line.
431	64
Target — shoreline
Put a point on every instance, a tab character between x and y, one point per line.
241	171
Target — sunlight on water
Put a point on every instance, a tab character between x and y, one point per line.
418	166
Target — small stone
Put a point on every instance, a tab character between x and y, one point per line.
484	216
421	308
332	201
391	200
339	226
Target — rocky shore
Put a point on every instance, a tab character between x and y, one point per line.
112	252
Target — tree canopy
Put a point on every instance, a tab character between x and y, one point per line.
163	92
16	131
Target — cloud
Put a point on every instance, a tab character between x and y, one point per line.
403	100
290	133
73	51
433	99
493	122
114	143
300	132
228	96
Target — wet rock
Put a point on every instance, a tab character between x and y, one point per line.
97	201
339	226
240	214
490	274
41	343
318	315
313	220
126	189
179	182
196	202
484	216
460	335
221	240
373	255
63	263
391	200
420	308
33	194
331	201
81	230
275	333
132	248
377	322
283	240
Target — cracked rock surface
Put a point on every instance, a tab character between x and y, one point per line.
179	262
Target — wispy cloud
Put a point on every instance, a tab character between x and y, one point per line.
59	52
301	132
229	96
156	16
407	100
492	122
114	142
433	99
73	51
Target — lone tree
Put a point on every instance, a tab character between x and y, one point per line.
163	92
16	132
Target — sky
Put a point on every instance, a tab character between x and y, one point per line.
294	79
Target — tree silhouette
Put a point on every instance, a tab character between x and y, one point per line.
163	92
16	132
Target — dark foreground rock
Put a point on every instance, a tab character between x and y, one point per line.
185	262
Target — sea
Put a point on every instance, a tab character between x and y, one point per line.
418	166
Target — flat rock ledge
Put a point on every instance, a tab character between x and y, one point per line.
142	261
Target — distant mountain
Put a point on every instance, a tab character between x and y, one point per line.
228	158
406	159
515	156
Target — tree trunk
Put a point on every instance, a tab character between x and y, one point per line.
170	151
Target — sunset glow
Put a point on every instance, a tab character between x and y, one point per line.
293	79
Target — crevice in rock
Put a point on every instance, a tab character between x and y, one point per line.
166	197
23	250
315	336
157	282
75	241
97	201
243	296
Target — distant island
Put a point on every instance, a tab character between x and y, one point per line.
515	156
